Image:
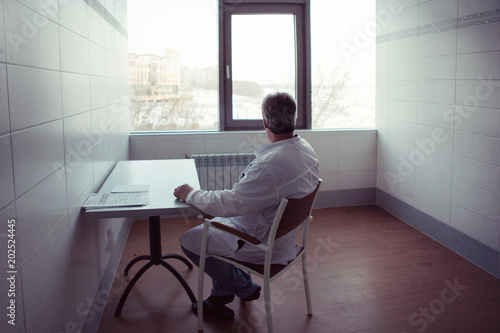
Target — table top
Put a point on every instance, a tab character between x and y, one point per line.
162	176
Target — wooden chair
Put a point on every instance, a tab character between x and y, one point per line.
291	214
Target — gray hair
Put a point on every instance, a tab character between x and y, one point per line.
279	112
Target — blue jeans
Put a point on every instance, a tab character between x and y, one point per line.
227	279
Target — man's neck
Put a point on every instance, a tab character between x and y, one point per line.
273	137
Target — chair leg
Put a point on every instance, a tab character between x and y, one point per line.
267	304
201	275
306	285
200	294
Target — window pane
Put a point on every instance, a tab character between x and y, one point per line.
263	60
343	63
173	57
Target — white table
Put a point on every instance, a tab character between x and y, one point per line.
162	176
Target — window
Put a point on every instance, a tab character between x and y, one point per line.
173	59
264	48
207	64
343	63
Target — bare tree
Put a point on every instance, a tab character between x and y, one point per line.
328	92
174	113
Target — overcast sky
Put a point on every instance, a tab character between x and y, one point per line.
190	27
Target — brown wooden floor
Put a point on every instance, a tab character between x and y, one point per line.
370	272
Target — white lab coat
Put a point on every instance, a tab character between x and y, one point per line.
283	169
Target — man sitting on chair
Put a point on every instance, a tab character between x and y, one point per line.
287	167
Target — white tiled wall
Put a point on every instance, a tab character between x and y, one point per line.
64	122
444	83
347	158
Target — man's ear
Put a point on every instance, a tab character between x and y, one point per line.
264	122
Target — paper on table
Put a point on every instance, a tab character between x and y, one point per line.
119	199
130	188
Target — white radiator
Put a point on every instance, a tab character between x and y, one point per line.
220	171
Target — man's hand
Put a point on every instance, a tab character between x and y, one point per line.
182	191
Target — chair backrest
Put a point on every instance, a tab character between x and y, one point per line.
296	212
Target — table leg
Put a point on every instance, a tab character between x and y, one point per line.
155	258
179	257
133	261
129	287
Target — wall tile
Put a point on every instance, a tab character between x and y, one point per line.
43	266
97	56
4	101
381	89
404	18
323	144
75	93
381	108
478	120
471	66
404	192
167	147
49	9
433	183
98	92
382	70
402	110
476	200
436	161
38	211
479	38
357	161
405	48
44	90
478	93
59	309
32	39
79	175
401	130
437	68
97	25
74	52
100	124
439	115
328	162
6	174
402	90
3	52
142	147
357	143
77	139
432	205
478	147
101	156
405	69
436	11
398	148
468	7
73	15
476	226
42	146
442	91
443	43
357	179
478	174
430	138
382	50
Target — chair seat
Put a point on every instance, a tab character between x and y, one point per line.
275	269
